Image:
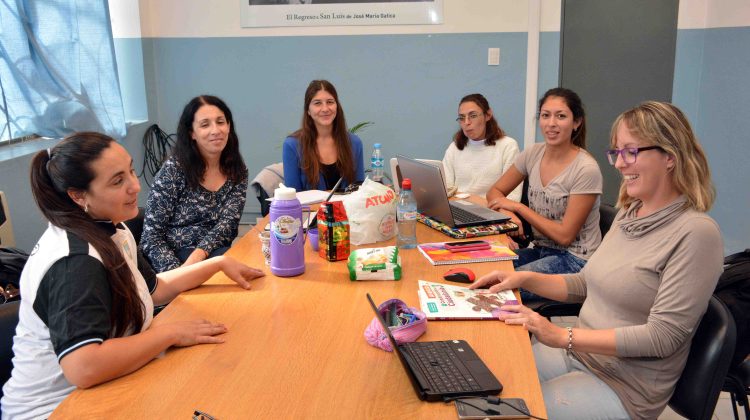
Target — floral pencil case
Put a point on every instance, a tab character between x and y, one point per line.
405	323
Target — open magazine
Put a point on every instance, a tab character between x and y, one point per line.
445	301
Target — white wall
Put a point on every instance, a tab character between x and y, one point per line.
701	14
221	18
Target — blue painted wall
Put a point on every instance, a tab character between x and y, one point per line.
712	86
409	85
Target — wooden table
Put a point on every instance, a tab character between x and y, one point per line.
296	349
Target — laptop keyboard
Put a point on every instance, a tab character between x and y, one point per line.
463	216
442	368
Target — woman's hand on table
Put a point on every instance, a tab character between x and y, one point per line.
499	280
546	332
198	331
239	272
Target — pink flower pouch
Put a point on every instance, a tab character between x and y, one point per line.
410	323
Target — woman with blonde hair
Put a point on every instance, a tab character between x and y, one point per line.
644	290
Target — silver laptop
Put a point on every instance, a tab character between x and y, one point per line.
428	187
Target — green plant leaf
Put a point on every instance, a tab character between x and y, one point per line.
361	126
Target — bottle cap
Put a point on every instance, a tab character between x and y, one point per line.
376	145
406	184
284	193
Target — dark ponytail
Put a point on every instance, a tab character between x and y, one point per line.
68	167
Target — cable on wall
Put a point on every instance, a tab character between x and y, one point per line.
157	145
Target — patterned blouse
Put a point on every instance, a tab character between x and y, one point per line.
180	217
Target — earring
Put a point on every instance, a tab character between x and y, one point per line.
86	208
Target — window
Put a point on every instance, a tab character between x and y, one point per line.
58	72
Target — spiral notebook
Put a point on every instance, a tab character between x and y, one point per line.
437	254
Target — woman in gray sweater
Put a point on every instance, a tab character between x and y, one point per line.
644	290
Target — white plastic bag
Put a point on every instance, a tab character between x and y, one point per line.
372	213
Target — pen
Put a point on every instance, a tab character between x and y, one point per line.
333	190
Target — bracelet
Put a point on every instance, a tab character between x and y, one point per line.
570	341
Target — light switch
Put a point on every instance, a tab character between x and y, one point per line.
493	56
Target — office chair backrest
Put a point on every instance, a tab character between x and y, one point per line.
607	213
8	323
6	228
264	184
707	365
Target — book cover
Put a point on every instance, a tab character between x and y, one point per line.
437	254
445	301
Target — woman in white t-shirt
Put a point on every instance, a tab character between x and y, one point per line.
480	152
87	295
565	185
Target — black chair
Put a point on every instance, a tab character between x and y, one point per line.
737	384
8	323
136	225
707	365
549	308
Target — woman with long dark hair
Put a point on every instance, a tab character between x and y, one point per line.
195	205
565	185
87	295
322	150
480	152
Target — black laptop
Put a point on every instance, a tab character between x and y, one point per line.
429	190
442	369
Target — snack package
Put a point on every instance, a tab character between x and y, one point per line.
375	264
333	231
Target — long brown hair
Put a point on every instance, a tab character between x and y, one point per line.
308	135
493	132
186	150
663	124
68	167
576	107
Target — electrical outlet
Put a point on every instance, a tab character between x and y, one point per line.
493	56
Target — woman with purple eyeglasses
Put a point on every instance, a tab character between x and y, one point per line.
645	289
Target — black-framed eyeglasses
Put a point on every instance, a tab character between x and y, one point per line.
628	154
471	117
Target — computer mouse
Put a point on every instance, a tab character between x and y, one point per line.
460	275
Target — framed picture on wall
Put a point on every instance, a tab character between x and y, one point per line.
266	13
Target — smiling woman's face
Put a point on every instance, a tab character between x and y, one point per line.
323	109
210	131
113	193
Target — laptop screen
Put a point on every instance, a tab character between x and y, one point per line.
428	188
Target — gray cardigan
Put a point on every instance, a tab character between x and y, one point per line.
650	281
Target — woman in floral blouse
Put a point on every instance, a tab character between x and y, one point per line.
198	196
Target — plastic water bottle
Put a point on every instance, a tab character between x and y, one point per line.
287	233
376	163
406	214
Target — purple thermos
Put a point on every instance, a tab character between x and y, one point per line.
287	233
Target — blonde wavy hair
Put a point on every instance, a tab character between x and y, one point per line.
663	124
